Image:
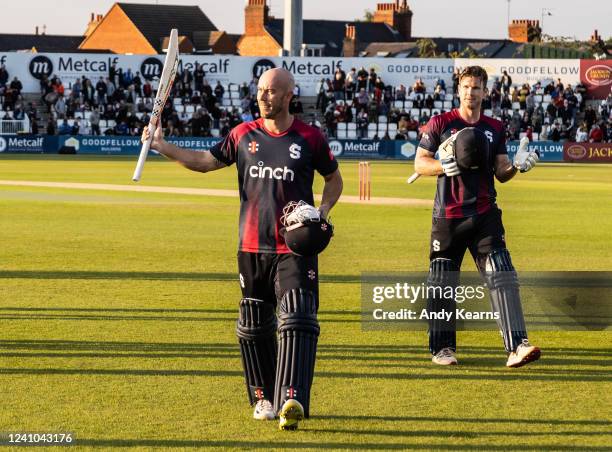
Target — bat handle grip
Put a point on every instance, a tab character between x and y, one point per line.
144	150
414	177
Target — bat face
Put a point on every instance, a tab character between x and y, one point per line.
165	86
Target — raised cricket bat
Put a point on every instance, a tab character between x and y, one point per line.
165	85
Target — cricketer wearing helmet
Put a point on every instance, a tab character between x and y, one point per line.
276	157
472	153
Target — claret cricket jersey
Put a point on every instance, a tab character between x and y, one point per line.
471	192
273	169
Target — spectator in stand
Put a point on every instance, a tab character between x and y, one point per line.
296	107
590	116
604	109
16	87
362	123
362	79
76	126
362	99
530	103
219	92
429	102
455	81
122	128
338	85
253	87
51	130
198	76
596	135
400	93
147	89
372	76
60	107
506	83
582	134
523	92
506	104
419	86
321	89
64	128
555	133
101	89
351	84
4	77
94	121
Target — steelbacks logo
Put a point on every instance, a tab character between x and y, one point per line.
294	151
262	66
2	144
40	67
151	68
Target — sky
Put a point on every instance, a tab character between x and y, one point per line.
432	18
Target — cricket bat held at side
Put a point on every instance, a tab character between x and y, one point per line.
165	86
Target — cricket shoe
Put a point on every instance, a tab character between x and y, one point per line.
445	357
525	353
264	411
290	414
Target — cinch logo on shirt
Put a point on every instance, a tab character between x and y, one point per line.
260	171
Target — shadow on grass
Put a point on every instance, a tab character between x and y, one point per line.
292	445
459	433
384	357
147	276
396	376
479	420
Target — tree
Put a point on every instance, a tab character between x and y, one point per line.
427	48
468	52
368	16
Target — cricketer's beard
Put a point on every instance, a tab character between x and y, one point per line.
269	111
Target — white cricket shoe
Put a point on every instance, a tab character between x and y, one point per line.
290	414
445	357
264	411
525	353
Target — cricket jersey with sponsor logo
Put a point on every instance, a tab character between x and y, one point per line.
273	169
472	192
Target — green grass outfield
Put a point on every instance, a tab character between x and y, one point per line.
117	317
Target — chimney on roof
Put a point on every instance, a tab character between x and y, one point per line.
350	44
36	30
397	15
44	32
523	30
255	17
95	19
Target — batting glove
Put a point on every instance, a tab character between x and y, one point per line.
450	168
524	159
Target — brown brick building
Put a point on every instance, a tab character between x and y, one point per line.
142	29
524	30
263	34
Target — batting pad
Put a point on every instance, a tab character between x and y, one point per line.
503	285
298	334
256	331
443	273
